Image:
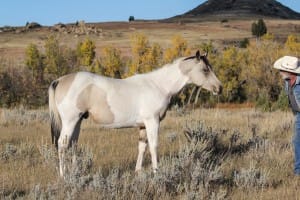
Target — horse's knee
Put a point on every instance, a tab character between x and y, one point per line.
63	142
143	141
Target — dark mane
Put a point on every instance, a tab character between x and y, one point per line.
189	58
203	58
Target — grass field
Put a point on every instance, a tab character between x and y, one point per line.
234	154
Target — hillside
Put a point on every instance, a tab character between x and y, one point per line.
238	9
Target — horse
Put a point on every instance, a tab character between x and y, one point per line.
137	101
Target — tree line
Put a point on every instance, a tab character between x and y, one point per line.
245	70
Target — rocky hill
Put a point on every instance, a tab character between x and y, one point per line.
238	9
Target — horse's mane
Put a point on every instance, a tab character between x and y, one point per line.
189	58
204	58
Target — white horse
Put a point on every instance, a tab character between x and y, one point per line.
138	101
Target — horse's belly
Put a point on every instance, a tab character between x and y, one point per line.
124	124
116	121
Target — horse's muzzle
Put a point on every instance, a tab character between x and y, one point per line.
217	90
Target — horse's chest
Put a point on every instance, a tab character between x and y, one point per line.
157	107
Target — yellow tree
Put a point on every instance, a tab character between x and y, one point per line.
268	36
293	45
111	62
33	61
229	67
263	82
179	48
86	52
145	57
139	48
54	59
151	59
96	67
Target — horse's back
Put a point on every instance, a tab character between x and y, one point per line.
80	79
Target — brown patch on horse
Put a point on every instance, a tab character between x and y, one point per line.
63	86
94	100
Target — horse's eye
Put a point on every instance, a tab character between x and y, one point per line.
206	70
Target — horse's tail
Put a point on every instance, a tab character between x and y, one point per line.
55	119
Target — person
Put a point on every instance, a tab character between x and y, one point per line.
289	67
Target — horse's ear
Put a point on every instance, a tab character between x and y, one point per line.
198	55
206	54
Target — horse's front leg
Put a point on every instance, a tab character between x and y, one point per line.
63	143
68	137
152	128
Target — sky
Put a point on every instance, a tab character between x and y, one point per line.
47	13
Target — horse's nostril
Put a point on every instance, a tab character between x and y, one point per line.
220	89
217	89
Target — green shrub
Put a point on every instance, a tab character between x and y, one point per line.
259	28
282	102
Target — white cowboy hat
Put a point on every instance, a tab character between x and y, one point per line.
288	63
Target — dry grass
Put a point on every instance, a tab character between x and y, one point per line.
251	150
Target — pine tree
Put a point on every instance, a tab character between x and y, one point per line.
259	28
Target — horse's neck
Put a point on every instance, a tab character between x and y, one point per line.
169	79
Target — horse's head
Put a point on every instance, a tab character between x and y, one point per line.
199	72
